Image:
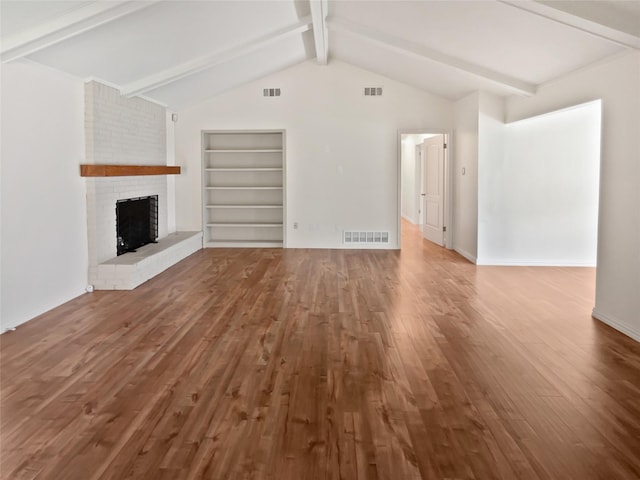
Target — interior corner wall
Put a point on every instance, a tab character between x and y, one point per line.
465	176
493	228
537	186
617	83
44	229
341	147
171	181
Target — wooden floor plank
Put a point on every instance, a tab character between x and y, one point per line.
325	364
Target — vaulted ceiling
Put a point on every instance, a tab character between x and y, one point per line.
180	52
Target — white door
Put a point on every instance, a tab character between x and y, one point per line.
433	194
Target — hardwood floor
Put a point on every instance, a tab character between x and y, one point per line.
325	364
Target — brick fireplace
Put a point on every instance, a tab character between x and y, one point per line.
102	195
127	131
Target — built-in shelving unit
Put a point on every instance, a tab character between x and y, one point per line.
243	188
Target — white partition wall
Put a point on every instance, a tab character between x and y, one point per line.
617	83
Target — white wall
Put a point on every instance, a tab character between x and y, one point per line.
493	228
617	83
537	185
44	229
465	186
539	205
341	146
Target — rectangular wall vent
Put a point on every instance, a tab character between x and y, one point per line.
351	238
271	92
372	91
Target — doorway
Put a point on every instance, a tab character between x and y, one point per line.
423	184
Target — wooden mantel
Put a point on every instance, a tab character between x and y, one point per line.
104	170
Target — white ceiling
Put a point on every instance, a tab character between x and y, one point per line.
180	52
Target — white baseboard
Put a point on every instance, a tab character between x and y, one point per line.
9	325
618	324
466	255
409	219
529	263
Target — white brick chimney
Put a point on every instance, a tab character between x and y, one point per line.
125	131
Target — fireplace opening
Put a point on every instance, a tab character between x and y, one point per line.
136	223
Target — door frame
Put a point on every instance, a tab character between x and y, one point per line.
448	184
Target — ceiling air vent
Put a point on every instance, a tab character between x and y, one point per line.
372	91
271	92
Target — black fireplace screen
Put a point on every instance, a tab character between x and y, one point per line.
136	223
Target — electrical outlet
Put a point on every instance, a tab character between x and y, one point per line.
295	225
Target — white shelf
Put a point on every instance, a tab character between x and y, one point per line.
243	188
242	169
230	225
242	206
243	150
242	244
